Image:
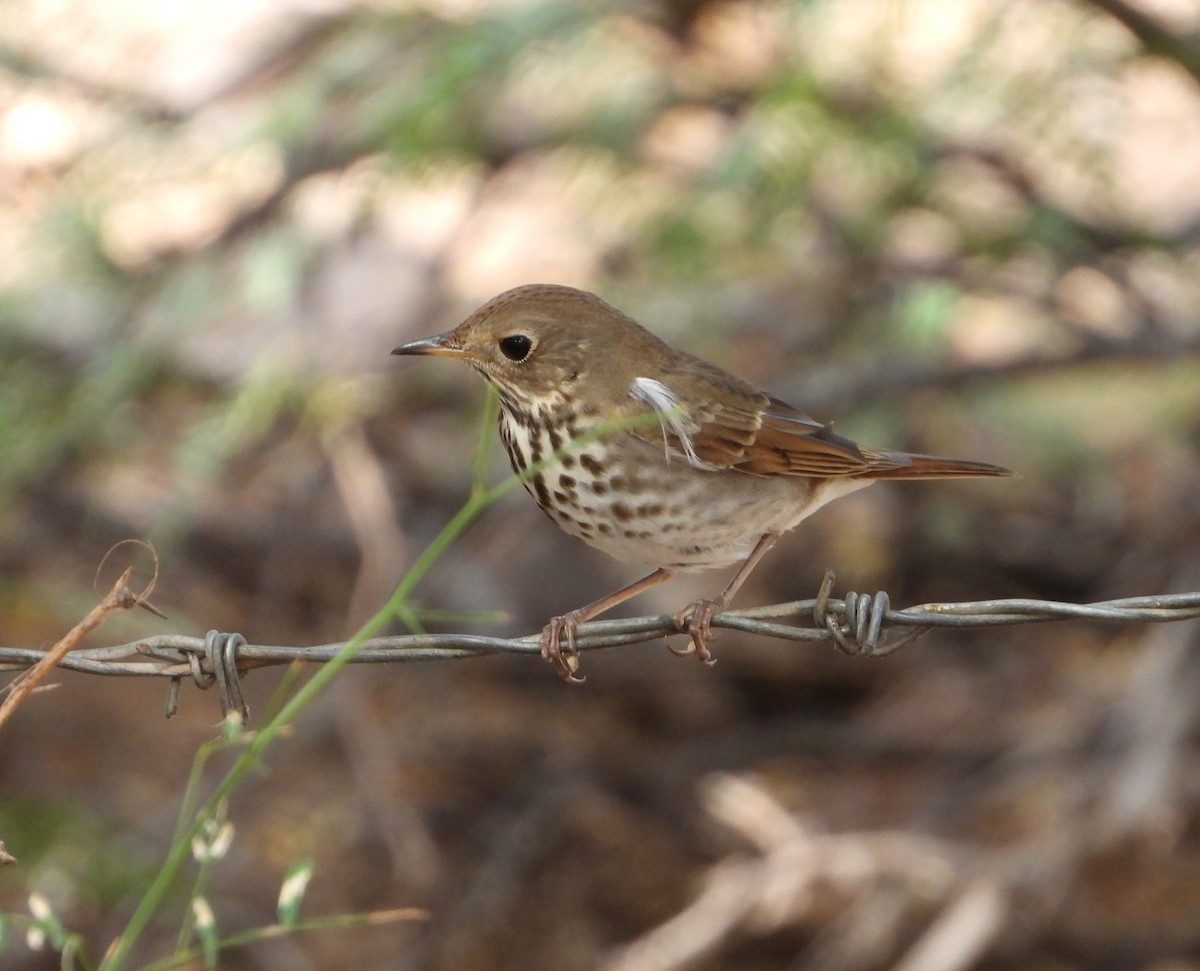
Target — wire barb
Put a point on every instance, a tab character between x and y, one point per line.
862	633
211	661
222	652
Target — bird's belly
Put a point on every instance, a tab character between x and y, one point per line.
626	499
695	521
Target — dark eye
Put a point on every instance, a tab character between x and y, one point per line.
516	347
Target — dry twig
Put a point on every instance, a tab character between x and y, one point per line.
120	597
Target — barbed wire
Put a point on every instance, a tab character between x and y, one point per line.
858	625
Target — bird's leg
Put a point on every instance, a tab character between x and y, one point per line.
558	636
695	619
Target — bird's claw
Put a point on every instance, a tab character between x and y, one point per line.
695	620
563	656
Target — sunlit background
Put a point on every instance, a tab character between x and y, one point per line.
968	227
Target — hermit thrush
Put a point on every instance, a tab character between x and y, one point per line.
650	454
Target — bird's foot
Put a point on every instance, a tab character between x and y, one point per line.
695	620
558	646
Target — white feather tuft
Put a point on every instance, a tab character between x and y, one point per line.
670	416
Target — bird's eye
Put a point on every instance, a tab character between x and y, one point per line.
516	347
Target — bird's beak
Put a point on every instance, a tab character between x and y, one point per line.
440	346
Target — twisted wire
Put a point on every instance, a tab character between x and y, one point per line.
859	625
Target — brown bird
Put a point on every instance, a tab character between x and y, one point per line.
650	454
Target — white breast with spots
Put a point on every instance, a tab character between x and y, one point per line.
638	506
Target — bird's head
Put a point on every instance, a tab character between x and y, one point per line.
542	344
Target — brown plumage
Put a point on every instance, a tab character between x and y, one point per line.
658	456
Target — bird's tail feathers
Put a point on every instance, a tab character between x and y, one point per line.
910	465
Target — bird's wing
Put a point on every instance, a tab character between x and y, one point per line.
790	443
714	421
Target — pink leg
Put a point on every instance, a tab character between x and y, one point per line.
696	618
565	657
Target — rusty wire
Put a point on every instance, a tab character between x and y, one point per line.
859	625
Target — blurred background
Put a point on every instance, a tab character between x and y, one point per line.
969	227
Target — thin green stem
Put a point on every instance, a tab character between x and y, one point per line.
180	958
72	947
191	789
483	449
291	675
257	742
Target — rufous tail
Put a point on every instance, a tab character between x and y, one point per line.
909	465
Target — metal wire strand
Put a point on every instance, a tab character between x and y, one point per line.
859	625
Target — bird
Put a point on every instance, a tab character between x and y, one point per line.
653	455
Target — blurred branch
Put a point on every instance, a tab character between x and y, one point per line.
1154	37
277	55
794	871
33	68
1098	236
857	625
831	390
299	163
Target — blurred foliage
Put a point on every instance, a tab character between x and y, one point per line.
963	226
73	851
